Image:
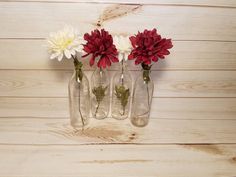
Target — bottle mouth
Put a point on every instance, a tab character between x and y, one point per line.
146	76
146	67
78	70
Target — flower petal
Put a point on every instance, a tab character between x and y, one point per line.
126	55
100	44
149	46
120	57
64	42
108	62
60	57
113	58
91	61
54	55
67	53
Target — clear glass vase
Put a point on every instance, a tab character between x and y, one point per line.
142	98
79	98
100	97
121	93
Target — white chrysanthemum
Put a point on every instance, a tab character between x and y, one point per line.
123	46
64	43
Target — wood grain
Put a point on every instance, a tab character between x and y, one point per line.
41	18
44	83
120	161
212	3
174	108
186	55
159	131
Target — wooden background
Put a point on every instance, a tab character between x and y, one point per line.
192	131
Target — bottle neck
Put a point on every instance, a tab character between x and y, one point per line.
146	75
146	72
78	70
123	66
100	76
100	70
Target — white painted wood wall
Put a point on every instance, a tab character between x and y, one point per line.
192	131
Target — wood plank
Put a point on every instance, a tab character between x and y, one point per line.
214	3
120	161
44	83
191	55
159	131
123	160
41	18
174	108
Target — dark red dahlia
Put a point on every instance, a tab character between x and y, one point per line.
148	46
100	44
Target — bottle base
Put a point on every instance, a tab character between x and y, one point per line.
78	125
139	121
119	117
100	115
99	118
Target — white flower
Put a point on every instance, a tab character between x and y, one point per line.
123	46
64	43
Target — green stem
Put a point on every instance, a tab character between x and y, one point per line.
146	78
122	72
122	81
80	112
123	113
148	97
78	68
97	109
100	73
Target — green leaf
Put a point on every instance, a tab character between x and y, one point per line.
122	94
99	92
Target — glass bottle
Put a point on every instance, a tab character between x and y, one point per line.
79	97
142	98
100	97
121	92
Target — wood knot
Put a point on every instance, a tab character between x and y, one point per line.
132	136
233	160
99	23
117	11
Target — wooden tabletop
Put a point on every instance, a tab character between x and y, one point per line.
192	129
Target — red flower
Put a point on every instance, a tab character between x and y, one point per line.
148	46
100	44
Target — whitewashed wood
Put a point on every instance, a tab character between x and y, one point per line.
159	131
195	108
214	3
177	22
44	83
48	146
174	108
118	161
36	107
191	55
